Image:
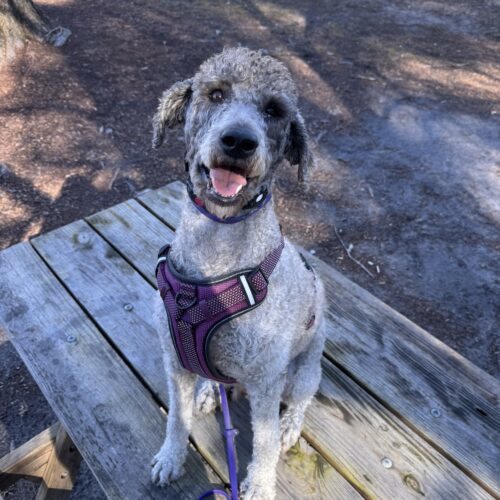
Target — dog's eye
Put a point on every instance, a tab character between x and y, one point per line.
217	95
273	109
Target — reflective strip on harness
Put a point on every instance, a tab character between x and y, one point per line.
246	288
196	309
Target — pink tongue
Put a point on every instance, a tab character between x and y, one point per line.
225	182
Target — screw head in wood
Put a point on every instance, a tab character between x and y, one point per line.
83	238
128	307
435	412
386	462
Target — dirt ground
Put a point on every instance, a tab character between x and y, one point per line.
402	101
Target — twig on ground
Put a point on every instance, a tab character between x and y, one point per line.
348	252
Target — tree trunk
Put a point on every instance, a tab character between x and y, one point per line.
20	21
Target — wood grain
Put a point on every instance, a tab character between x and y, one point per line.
109	415
375	450
451	402
29	460
121	302
132	227
168	201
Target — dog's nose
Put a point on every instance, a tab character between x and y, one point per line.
239	143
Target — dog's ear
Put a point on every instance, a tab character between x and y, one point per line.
297	150
171	110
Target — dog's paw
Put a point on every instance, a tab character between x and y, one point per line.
252	491
166	468
206	397
290	428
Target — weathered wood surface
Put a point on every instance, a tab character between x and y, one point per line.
167	201
111	417
120	301
29	460
435	473
445	398
62	467
451	402
376	450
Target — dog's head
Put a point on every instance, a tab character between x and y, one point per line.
240	121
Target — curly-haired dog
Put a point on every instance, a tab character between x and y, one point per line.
241	121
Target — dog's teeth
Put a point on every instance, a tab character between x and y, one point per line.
238	189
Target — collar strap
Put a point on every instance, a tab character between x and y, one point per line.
254	205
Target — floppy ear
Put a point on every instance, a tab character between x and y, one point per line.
297	151
171	110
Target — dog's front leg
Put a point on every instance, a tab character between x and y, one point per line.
168	462
260	482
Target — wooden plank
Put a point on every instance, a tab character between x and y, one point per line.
447	399
129	224
168	201
109	415
121	302
352	465
29	460
60	474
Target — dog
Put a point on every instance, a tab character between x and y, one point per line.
241	122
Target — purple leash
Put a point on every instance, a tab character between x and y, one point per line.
229	433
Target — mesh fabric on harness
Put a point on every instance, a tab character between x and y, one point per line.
196	308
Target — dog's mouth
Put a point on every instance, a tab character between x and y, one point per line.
224	182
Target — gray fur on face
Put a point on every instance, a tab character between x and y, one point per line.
251	83
270	350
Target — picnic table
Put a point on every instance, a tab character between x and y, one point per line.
398	414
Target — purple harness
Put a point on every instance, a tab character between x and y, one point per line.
197	308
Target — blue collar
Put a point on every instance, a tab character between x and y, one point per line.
259	201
